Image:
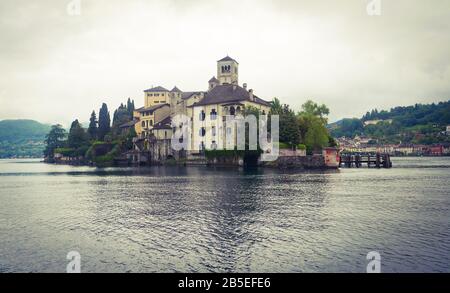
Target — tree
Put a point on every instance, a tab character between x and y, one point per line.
77	136
317	135
314	109
53	140
92	130
276	108
104	122
130	107
312	124
289	125
129	139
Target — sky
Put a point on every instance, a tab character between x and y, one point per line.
60	60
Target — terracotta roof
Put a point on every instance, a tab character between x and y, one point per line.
156	89
152	108
229	93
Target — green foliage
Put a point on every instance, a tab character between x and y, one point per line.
129	138
284	146
313	109
93	128
77	136
67	152
348	128
19	130
53	140
313	121
420	124
108	159
317	135
104	122
307	127
289	124
22	138
130	107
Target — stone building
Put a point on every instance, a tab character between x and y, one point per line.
205	111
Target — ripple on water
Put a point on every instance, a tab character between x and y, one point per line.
222	220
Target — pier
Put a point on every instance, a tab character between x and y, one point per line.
378	160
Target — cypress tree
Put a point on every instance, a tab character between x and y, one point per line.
130	107
77	135
92	130
104	122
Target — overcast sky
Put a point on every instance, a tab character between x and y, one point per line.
56	67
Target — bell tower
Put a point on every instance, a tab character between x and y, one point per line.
227	71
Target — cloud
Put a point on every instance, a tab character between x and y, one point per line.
57	67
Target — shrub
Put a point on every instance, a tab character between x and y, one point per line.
301	147
66	152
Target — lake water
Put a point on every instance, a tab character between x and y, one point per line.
197	219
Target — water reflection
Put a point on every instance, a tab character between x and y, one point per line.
197	219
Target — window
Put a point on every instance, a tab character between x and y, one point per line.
213	131
214	145
213	114
232	111
165	134
151	122
228	130
264	112
143	123
202	116
202	131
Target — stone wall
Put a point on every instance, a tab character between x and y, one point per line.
300	162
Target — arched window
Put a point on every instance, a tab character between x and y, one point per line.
232	110
202	131
202	116
213	114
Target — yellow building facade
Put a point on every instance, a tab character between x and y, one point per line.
205	110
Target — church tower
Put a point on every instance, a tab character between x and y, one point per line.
227	71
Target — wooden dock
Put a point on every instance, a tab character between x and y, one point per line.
371	160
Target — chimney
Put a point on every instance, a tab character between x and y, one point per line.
250	92
245	86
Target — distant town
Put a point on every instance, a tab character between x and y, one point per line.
361	144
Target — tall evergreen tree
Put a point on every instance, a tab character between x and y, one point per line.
92	130
54	139
104	122
130	107
77	136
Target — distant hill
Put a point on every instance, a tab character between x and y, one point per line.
22	138
412	124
